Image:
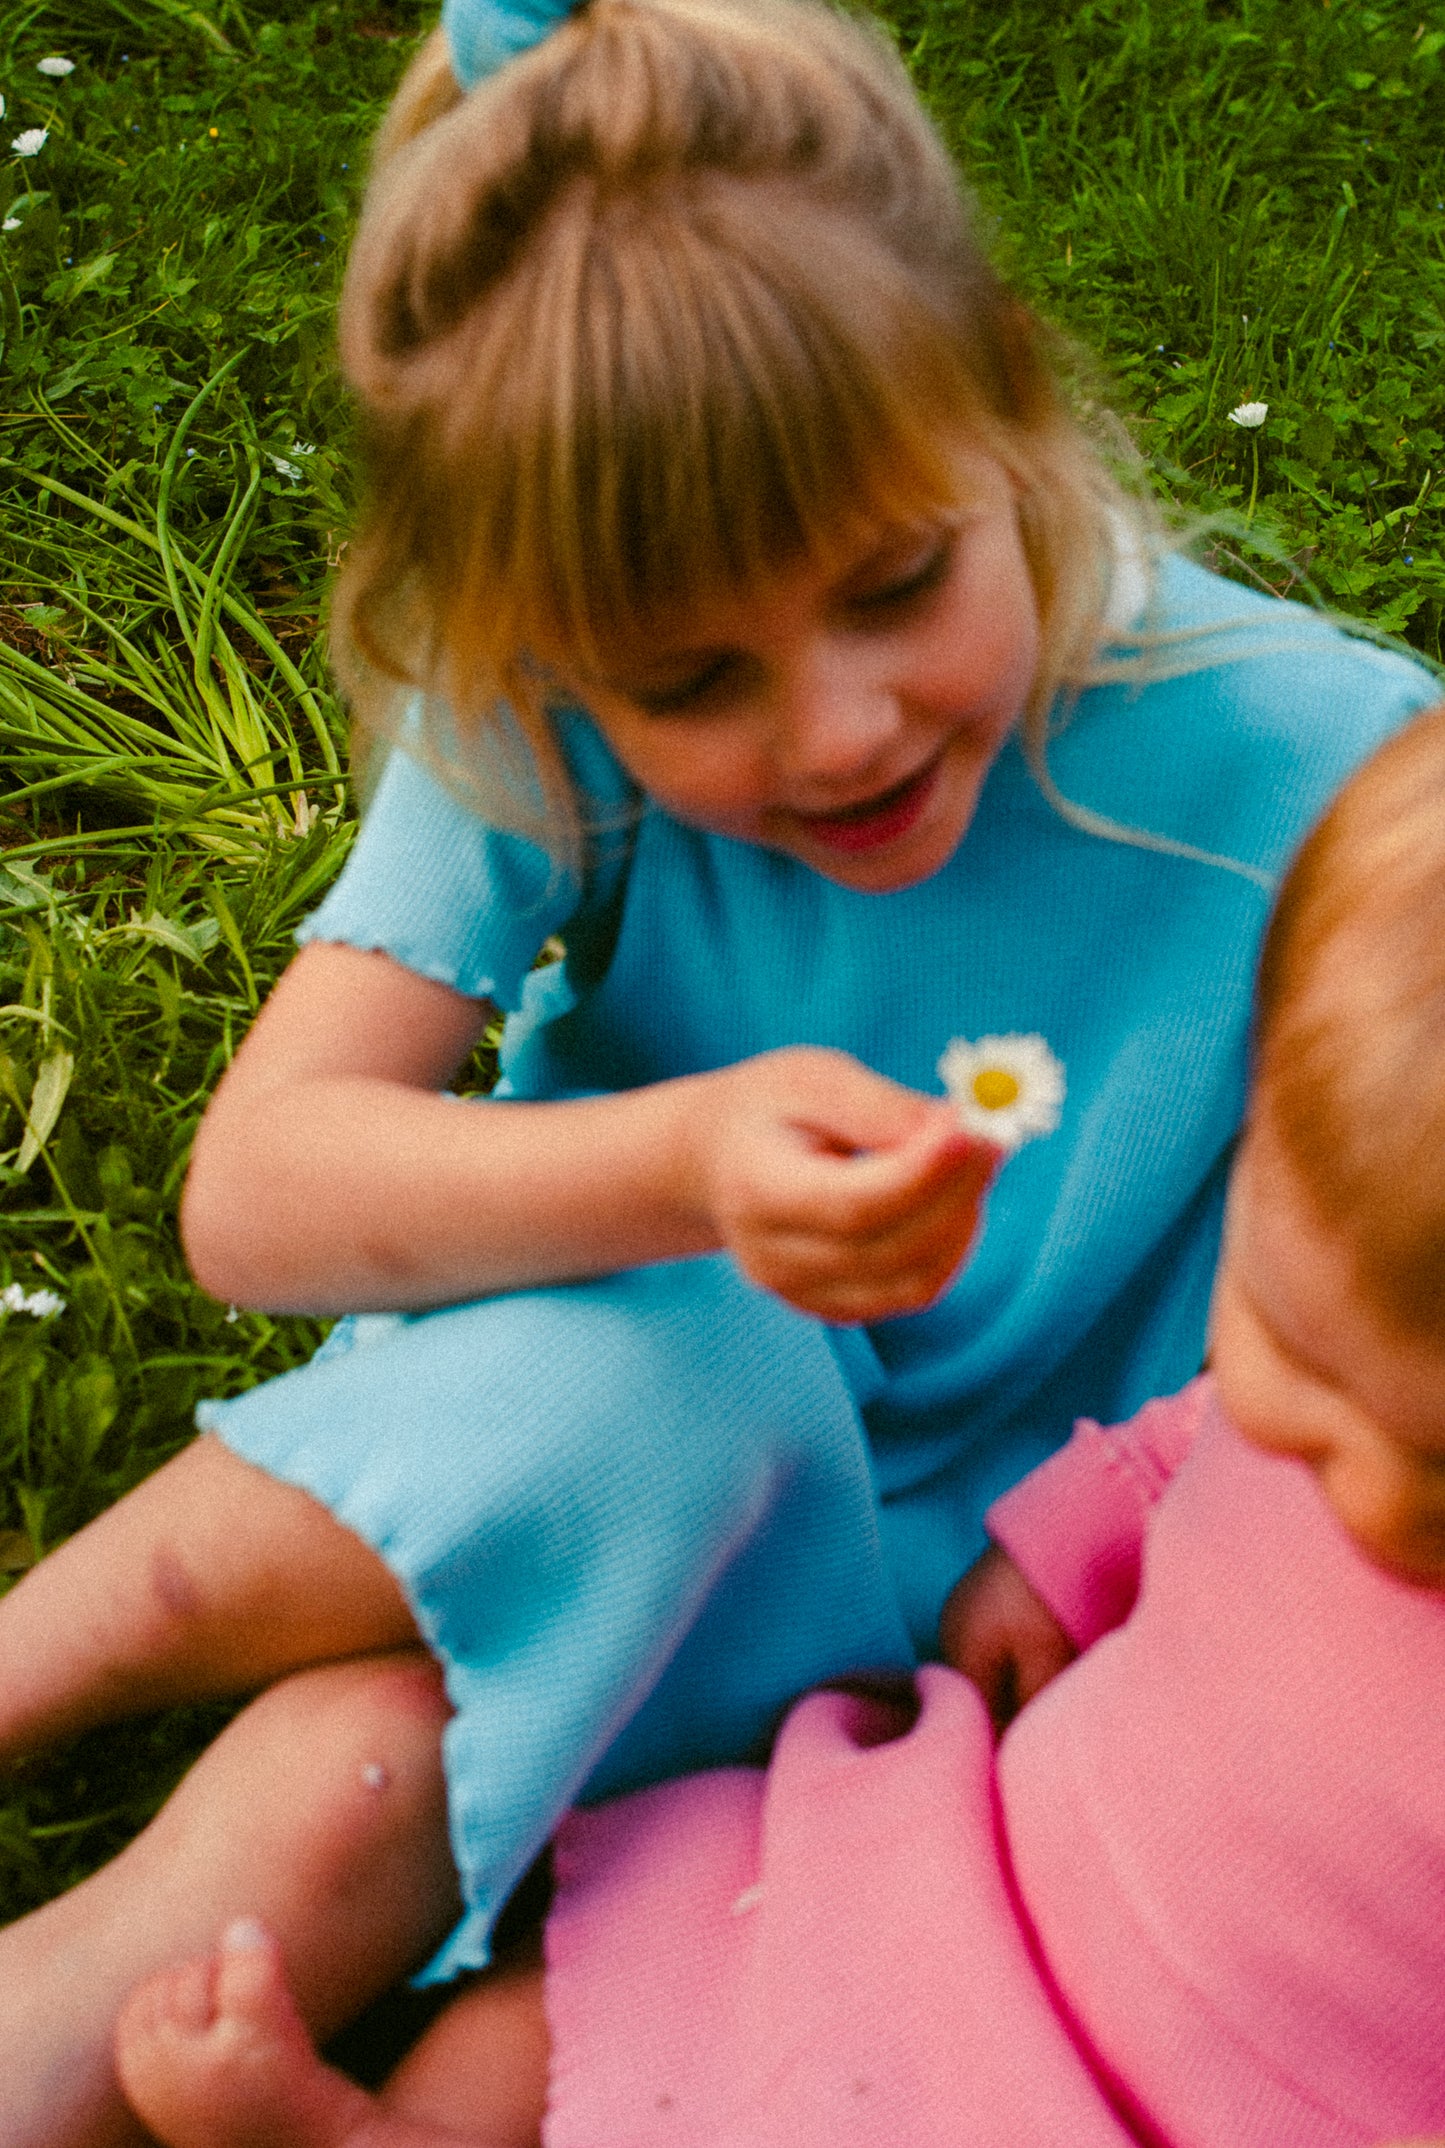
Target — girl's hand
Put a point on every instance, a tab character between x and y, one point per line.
999	1632
852	1198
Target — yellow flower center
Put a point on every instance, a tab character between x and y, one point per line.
995	1088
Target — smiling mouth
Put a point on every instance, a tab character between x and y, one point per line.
877	820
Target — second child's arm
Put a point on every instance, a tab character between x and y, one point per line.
331	1174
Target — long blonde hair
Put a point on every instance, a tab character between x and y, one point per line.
685	294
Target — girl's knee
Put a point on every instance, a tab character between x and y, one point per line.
375	1720
344	1760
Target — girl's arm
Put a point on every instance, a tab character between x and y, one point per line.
331	1174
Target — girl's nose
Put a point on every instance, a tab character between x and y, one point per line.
835	723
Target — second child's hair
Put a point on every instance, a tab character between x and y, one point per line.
685	295
1350	1025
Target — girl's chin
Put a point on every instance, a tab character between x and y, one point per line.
912	856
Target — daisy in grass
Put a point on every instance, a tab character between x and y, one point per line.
1007	1090
40	1304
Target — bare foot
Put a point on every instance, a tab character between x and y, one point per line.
214	2055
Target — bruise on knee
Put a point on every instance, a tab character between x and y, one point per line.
173	1587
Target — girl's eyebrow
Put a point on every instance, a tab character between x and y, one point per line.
674	670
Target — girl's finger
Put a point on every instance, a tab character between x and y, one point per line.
842	1106
838	1278
865	1197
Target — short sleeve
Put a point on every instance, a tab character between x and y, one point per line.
431	884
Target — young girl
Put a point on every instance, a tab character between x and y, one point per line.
762	625
1194	1898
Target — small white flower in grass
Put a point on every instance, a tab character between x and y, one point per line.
1006	1090
1250	415
2	107
284	468
11	223
31	142
40	1304
55	66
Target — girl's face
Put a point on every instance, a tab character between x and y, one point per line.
1305	1367
846	717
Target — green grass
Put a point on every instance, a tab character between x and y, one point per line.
1236	204
1227	204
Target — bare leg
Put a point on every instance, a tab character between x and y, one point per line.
321	1809
489	2053
211	1577
215	2055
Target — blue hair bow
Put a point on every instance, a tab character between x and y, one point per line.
483	34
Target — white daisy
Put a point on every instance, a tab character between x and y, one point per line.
31	142
1004	1089
55	66
1250	415
40	1304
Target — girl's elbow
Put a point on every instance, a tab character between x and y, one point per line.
207	1244
216	1236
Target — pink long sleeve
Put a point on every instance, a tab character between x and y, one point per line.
1075	1526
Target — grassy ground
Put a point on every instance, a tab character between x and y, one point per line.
1231	205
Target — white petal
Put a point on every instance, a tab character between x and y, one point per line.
31	142
1249	415
56	66
1039	1096
11	223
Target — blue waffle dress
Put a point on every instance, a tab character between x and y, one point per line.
636	1516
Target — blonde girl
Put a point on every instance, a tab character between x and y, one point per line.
746	609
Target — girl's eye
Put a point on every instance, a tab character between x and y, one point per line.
692	692
916	580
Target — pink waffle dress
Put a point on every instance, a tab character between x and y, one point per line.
1196	1897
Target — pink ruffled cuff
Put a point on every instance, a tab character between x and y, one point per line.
1075	1525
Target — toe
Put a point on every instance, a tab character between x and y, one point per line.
215	2055
250	1983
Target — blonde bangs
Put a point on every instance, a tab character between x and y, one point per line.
677	414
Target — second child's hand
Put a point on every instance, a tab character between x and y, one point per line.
850	1197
